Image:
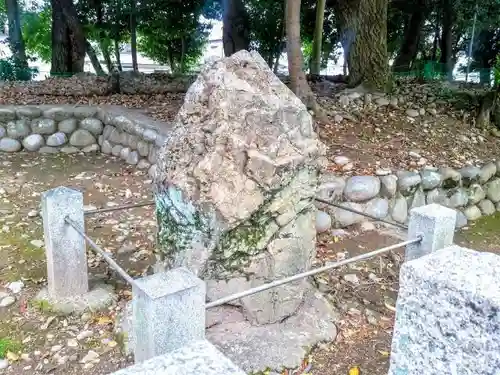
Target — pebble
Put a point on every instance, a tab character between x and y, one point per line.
33	213
37	243
90	357
3	364
7	301
56	348
84	335
86	317
15	286
351	278
341	160
382	172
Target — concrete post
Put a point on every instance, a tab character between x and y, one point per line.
447	315
436	225
169	312
65	248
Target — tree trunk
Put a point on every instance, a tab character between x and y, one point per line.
485	75
133	36
409	47
447	39
298	81
94	59
68	39
15	34
315	66
235	29
363	25
435	42
183	55
105	47
117	56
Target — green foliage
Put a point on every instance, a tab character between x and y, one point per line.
12	70
173	35
8	345
496	71
36	28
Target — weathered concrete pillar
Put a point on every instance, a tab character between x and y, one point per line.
168	312
448	314
436	225
65	248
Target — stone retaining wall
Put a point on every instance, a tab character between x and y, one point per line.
471	191
112	130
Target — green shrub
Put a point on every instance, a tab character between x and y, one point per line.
12	70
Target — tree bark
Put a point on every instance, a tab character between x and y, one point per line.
409	47
363	25
16	40
315	67
235	29
117	56
68	39
105	46
94	59
485	76
298	81
447	39
133	36
435	42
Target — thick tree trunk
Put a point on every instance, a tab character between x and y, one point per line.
94	59
447	39
298	81
68	39
117	56
315	67
105	47
236	25
15	34
435	42
409	47
363	25
133	36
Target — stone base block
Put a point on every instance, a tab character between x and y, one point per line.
255	348
199	357
100	297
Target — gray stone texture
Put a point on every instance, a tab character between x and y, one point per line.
7	114
436	225
487	172
169	312
476	194
388	186
430	179
470	175
68	126
43	126
459	198
472	213
92	125
451	178
58	113
330	188
33	142
438	196
64	247
377	207
10	145
344	218
493	190
461	220
197	358
487	207
408	182
399	209
323	221
18	129
361	188
106	147
57	139
242	205
28	113
82	138
447	315
3	132
132	158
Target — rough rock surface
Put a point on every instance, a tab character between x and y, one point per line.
235	183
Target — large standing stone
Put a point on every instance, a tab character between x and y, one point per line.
447	315
493	190
399	210
93	125
82	138
241	207
361	188
18	129
33	142
43	126
10	145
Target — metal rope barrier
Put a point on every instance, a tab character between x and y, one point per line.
101	252
312	272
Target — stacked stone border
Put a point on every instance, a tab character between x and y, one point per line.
135	138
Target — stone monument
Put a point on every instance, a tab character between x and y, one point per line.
234	189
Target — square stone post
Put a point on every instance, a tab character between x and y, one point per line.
169	312
436	225
447	315
65	248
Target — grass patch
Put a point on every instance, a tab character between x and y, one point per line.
484	228
8	345
42	306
